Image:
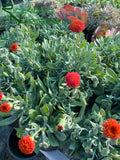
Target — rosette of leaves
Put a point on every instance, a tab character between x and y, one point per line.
97	16
104	31
69	13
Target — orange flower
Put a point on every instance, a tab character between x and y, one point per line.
72	79
59	127
77	26
1	95
5	107
111	129
14	47
26	145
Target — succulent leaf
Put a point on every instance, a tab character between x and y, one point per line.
110	32
84	18
60	16
78	12
71	18
64	13
70	9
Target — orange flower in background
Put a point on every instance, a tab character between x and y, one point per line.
14	47
111	129
5	107
72	79
77	26
26	145
1	95
59	127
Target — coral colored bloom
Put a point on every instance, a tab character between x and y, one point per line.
26	145
14	47
59	127
111	129
77	26
72	79
5	107
1	95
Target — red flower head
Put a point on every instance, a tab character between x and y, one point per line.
5	107
111	129
59	127
77	26
72	79
26	145
14	47
1	95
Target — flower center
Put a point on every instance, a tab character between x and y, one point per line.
113	130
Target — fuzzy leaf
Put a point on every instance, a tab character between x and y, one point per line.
33	113
110	72
52	140
60	135
4	114
42	85
7	121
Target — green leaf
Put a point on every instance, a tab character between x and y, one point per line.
52	140
110	72
45	110
33	113
4	114
42	85
20	131
60	135
7	121
72	145
102	112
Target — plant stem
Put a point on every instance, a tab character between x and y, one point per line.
84	103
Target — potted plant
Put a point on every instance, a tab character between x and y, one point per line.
42	122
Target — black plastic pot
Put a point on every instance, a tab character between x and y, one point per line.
12	144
